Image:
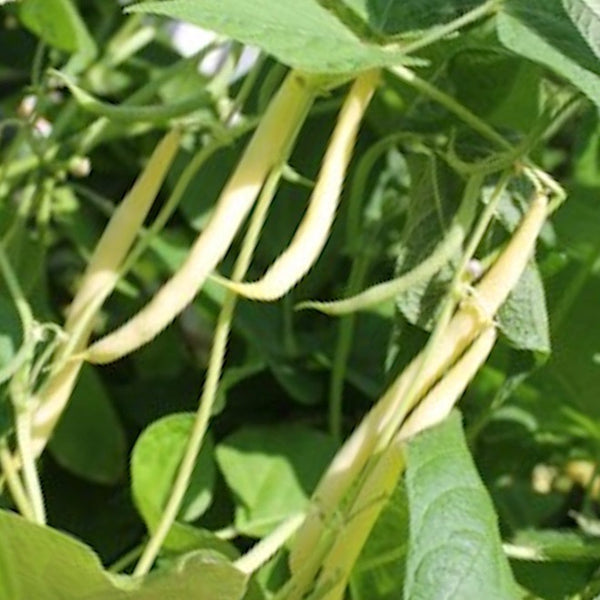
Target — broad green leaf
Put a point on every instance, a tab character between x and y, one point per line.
454	548
379	570
586	16
154	463
523	317
45	564
59	24
272	472
541	31
299	33
503	90
552	580
573	372
89	439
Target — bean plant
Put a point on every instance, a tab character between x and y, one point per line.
239	307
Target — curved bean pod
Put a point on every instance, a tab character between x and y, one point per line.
474	315
272	139
99	279
313	231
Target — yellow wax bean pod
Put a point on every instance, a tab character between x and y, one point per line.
99	279
440	400
382	479
271	141
313	231
474	315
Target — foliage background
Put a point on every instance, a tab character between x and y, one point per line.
531	415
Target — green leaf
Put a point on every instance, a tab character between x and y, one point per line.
573	372
58	23
503	90
552	581
154	463
299	33
578	220
455	549
89	439
523	317
272	471
45	564
541	30
433	194
586	16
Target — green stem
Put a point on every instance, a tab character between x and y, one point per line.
358	270
25	448
452	105
213	375
13	481
477	124
437	33
128	558
346	328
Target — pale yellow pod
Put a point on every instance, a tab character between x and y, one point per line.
440	400
102	271
271	140
99	279
313	231
474	315
382	479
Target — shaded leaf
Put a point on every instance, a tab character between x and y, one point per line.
455	549
272	471
523	317
541	30
59	24
89	439
154	463
29	553
299	33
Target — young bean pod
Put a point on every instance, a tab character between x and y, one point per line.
272	139
474	315
382	479
99	279
313	231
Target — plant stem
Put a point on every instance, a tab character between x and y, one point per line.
213	375
13	481
25	448
437	33
343	347
129	557
452	105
